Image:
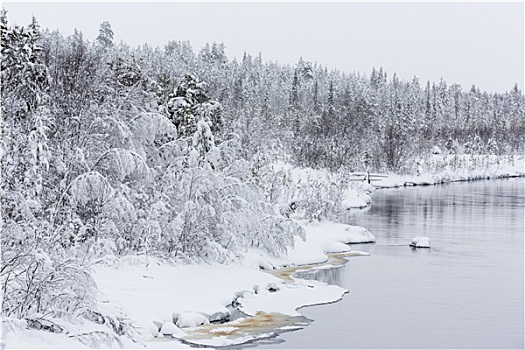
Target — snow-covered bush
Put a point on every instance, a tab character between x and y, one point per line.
48	279
218	210
303	192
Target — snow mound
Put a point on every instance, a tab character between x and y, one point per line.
306	252
354	198
191	319
366	187
340	232
356	234
321	238
420	242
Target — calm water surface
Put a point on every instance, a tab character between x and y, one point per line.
467	291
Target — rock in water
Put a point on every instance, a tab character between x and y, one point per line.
219	317
420	242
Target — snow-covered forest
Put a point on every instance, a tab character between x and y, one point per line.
109	150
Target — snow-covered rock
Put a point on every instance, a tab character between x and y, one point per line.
191	319
153	328
220	316
169	328
420	242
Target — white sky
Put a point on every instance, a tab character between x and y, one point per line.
466	43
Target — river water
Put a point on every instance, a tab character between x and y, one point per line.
467	291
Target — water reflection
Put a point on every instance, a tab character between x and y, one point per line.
420	250
467	291
468	208
330	276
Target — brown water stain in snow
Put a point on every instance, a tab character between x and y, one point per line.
260	323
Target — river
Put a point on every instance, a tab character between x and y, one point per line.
467	291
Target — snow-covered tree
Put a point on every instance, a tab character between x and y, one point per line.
105	34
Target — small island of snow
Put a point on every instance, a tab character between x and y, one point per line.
420	242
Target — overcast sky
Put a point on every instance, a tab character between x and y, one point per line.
465	43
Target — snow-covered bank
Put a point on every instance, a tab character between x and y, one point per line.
155	294
315	194
210	305
141	298
158	293
320	239
450	168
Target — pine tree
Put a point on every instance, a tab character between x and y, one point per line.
190	104
331	101
105	34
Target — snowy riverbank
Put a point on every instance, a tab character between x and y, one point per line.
451	168
145	295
